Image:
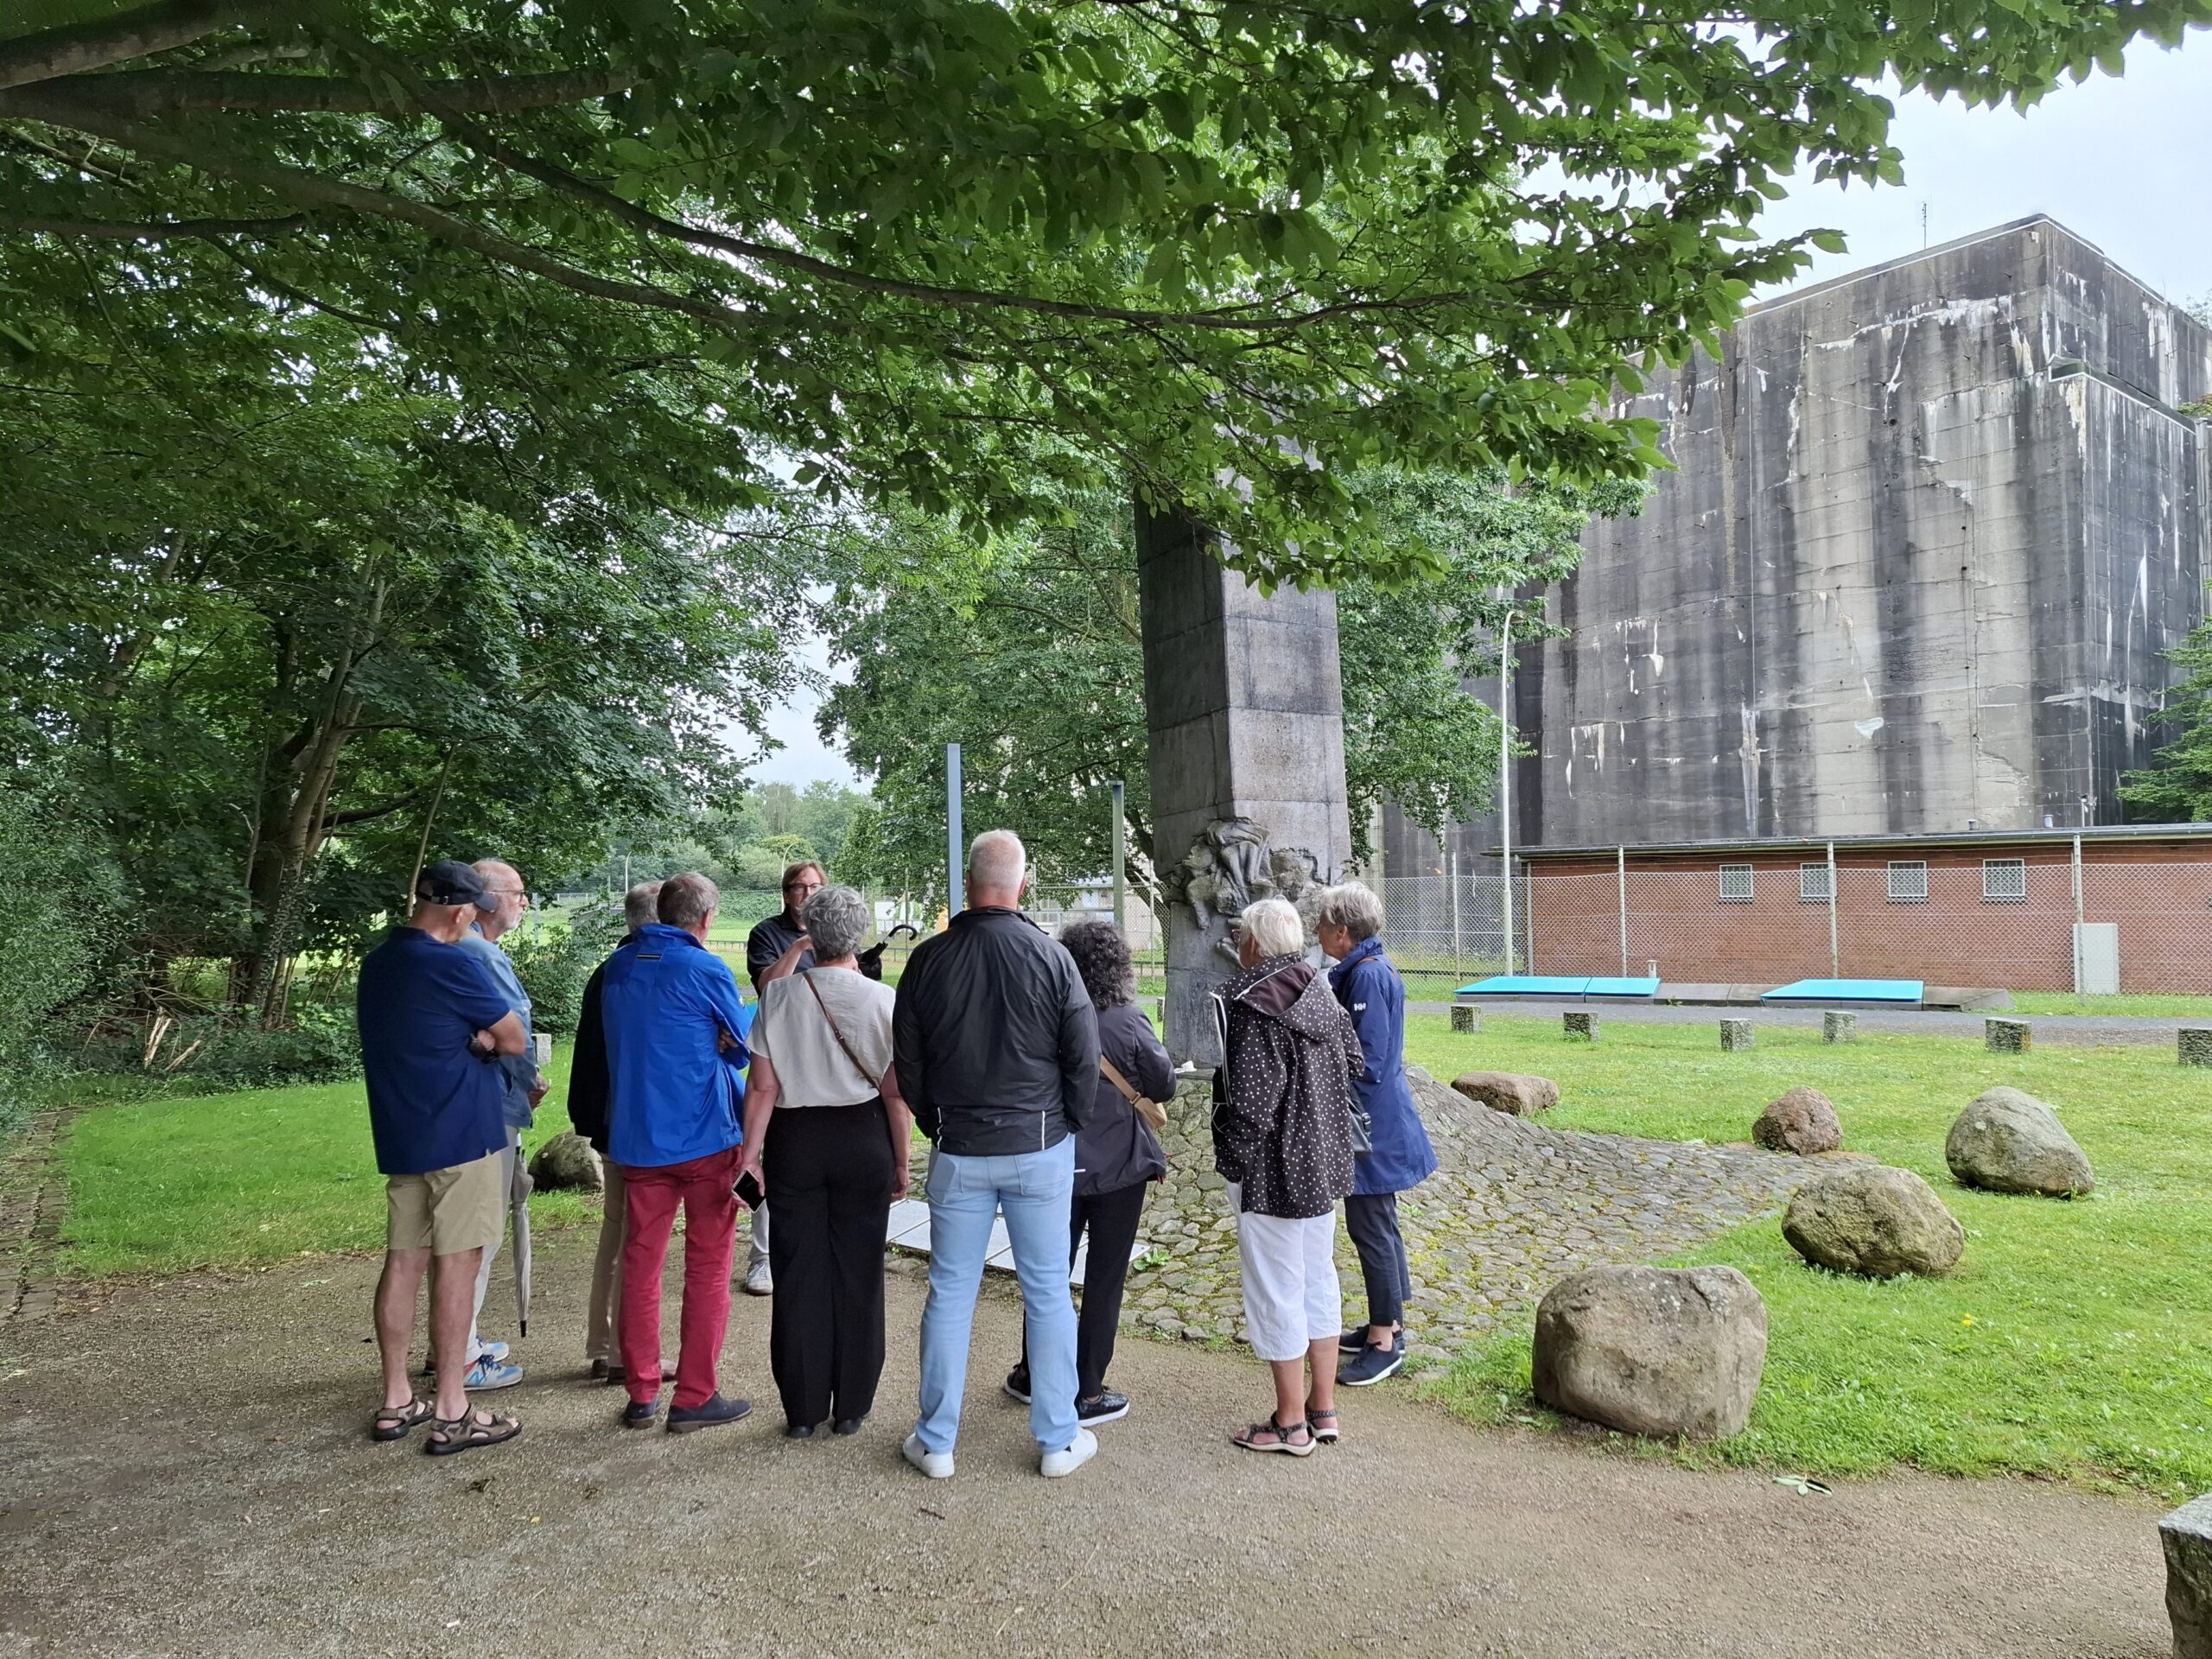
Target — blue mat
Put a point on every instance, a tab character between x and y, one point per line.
1557	985
1847	990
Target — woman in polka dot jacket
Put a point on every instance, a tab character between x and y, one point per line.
1282	1141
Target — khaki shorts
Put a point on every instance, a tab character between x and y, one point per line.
446	1210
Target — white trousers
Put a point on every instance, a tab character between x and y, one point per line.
1291	1297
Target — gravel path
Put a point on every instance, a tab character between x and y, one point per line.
183	1471
2095	1030
1513	1208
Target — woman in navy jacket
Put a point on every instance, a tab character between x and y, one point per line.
1349	928
1117	1158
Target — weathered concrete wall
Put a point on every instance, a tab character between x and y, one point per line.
1933	526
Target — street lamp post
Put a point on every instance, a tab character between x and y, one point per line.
1505	780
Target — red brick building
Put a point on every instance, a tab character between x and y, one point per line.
2099	910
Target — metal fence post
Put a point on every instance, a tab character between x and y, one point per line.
1620	868
1835	954
2079	917
1527	914
955	896
1121	865
1457	966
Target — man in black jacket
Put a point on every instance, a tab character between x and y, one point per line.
588	1096
996	1046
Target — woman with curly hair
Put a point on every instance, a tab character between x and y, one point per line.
1116	1155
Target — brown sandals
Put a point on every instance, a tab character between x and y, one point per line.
392	1422
479	1427
1272	1436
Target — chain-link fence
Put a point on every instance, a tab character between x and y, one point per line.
2022	924
2008	923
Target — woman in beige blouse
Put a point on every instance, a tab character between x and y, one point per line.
826	1133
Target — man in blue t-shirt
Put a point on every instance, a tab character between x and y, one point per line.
432	1026
676	1031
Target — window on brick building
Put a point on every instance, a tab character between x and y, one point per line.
2005	880
1812	884
1908	881
1736	884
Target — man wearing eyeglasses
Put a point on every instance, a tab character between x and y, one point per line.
521	1088
776	947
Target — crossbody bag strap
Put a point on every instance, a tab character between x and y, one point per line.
831	1020
1112	1073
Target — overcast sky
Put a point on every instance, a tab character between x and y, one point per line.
2122	162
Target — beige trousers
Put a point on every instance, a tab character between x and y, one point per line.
600	1339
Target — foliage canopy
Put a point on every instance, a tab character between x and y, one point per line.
1236	251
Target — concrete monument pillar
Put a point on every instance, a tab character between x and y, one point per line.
1244	712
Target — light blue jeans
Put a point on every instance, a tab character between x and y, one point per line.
1034	1190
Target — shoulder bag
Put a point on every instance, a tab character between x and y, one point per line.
1153	1114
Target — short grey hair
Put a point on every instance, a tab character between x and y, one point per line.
1273	926
1354	907
996	859
836	919
687	901
641	904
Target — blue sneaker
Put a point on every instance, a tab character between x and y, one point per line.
1372	1364
493	1350
487	1374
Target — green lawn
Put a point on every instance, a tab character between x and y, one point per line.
243	1179
2149	1007
2075	1340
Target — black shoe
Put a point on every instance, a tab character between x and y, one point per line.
847	1425
683	1420
1107	1408
1017	1383
1373	1364
1354	1339
798	1431
641	1414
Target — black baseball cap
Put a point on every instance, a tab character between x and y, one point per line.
450	881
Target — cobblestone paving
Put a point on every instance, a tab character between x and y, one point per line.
1512	1208
32	1193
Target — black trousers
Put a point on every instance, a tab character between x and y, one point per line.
1112	1218
1371	1219
829	1176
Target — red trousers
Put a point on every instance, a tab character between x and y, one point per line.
702	1187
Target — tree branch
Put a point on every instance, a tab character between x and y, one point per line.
152	93
383	809
1234	319
312	188
74	49
151	231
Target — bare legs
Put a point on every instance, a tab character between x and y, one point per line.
1292	1400
452	1299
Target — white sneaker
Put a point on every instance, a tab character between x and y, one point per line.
758	1281
1053	1464
938	1466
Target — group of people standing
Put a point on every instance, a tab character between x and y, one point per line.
1024	1060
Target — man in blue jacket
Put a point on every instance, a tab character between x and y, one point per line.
1349	928
676	1031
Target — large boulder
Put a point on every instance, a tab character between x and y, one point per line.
2010	1141
568	1160
1508	1091
1874	1221
1803	1121
1671	1351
